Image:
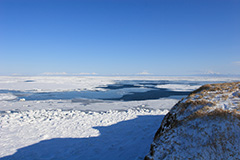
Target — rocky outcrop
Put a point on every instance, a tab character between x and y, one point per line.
205	125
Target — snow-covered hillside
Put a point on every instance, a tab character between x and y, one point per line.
205	125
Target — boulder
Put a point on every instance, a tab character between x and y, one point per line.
204	125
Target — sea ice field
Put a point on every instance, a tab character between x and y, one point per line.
86	117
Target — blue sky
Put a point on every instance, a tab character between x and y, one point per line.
126	37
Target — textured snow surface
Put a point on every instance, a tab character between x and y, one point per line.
57	134
203	138
205	125
88	105
81	128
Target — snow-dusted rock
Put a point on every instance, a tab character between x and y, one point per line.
205	125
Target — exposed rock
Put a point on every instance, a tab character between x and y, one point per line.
205	125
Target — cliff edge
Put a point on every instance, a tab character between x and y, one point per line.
205	125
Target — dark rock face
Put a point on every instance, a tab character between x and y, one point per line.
205	125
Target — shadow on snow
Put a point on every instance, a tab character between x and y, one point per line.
126	140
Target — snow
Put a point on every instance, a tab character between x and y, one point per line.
204	125
92	105
7	96
179	87
202	139
67	83
81	128
48	84
93	135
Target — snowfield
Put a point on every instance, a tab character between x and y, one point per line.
58	134
40	120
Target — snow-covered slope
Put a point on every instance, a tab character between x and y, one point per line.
205	125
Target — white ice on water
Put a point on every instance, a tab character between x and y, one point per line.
179	87
7	97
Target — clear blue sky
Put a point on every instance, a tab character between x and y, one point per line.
161	37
